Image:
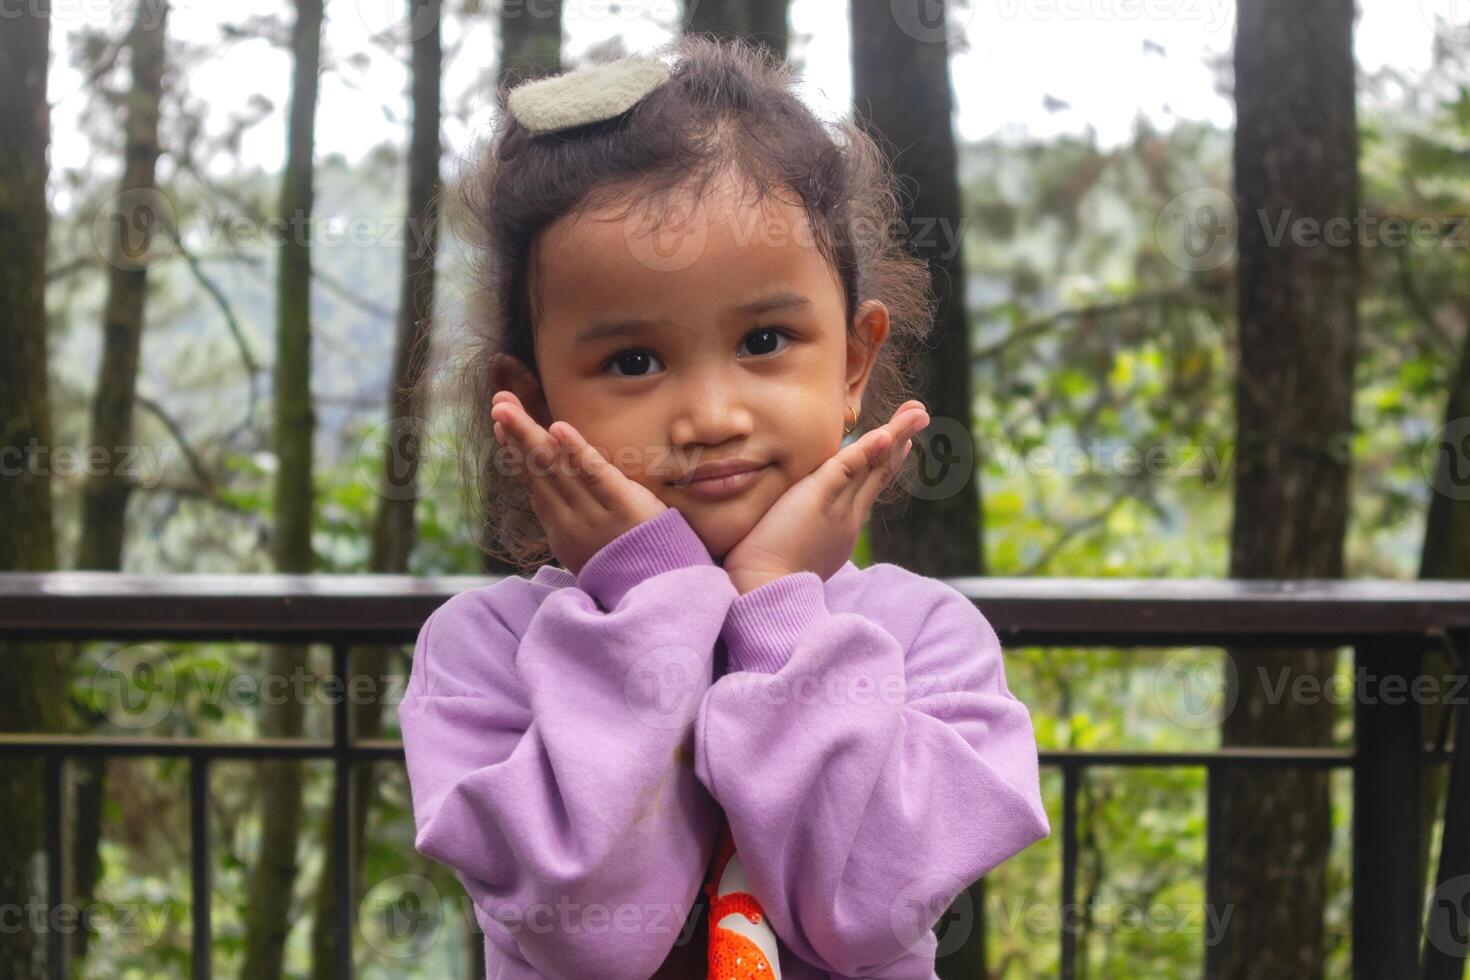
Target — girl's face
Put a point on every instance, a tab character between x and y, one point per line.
719	337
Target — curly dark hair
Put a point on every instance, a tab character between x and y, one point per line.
727	104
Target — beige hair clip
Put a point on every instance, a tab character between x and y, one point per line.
586	95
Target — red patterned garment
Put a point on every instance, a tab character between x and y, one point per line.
741	943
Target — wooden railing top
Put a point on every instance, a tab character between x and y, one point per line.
1080	611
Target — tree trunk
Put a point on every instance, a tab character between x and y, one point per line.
1445	555
32	675
764	22
105	494
901	89
1296	160
394	532
268	910
530	41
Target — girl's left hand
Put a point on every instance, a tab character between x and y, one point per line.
814	525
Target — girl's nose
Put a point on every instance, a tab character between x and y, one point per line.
711	414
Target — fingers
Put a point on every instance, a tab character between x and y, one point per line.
539	460
883	465
854	461
868	490
588	469
577	473
875	447
515	429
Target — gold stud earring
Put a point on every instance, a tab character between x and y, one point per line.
848	428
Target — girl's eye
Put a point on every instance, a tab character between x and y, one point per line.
633	362
766	338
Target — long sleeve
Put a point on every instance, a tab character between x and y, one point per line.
550	752
866	781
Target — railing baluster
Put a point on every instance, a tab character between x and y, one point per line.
1214	803
1447	948
1386	786
200	870
343	845
1070	781
56	938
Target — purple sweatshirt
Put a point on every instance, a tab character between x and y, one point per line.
573	743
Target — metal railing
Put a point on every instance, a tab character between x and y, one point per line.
1389	624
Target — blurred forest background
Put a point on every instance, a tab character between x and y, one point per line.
1285	401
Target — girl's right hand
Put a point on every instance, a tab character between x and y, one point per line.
582	501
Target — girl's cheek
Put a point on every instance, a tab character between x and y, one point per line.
646	465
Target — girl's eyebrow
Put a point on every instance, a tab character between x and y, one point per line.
624	326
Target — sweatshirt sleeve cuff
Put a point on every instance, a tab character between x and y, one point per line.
660	544
763	625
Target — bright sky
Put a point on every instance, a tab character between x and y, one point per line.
1090	54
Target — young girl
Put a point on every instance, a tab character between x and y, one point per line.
707	743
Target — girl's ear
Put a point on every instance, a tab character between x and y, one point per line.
506	372
870	323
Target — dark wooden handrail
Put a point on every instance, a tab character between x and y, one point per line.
1029	611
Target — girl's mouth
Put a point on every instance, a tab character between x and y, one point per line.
719	487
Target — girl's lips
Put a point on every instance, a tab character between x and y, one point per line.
719	487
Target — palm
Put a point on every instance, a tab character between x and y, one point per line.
787	529
814	524
636	497
582	501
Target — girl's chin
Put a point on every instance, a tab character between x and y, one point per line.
717	550
718	536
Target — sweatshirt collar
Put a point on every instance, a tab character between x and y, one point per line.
553	576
